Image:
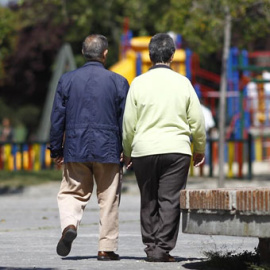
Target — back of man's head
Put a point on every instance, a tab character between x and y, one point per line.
94	46
161	48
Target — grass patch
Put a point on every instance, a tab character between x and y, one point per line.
14	179
230	260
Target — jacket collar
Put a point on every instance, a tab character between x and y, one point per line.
160	66
93	63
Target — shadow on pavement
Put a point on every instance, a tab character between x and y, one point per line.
199	262
78	258
6	190
202	265
19	268
132	258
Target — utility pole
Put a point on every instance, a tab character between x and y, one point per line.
223	90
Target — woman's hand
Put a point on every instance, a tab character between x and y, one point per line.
198	159
128	162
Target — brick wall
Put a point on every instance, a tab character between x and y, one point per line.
253	200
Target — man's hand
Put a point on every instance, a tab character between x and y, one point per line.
198	159
59	160
128	162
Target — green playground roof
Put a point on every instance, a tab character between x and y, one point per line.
260	80
252	68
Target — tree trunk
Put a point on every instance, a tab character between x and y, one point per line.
222	99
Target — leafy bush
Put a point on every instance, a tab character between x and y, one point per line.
230	260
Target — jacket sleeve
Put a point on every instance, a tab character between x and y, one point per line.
57	122
122	102
196	122
129	122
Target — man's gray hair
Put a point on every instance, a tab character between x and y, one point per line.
94	46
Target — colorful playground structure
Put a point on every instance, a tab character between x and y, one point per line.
240	147
134	59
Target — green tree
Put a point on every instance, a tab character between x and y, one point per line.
201	23
8	35
210	25
32	33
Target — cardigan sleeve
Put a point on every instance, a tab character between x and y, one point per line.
196	122
129	121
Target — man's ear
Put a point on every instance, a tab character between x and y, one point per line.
105	54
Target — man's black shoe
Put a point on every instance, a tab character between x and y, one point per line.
64	245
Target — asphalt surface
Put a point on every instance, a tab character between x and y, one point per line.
30	230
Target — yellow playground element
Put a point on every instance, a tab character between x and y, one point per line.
135	60
14	157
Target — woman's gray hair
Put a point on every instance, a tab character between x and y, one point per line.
94	46
161	48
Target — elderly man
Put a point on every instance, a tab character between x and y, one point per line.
86	136
162	113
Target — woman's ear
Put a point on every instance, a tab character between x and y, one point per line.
171	59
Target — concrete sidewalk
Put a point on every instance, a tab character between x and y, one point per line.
30	230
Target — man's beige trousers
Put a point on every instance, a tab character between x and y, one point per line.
75	191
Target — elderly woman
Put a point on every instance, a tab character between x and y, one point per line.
162	113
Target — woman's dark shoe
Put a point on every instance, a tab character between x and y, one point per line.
165	258
171	258
107	256
64	245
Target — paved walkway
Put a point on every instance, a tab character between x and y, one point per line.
29	232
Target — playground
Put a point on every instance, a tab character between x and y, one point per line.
248	110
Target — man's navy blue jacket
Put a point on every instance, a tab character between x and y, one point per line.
87	114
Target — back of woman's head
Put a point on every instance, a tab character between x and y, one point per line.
161	48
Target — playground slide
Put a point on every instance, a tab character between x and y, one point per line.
135	64
135	58
125	67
